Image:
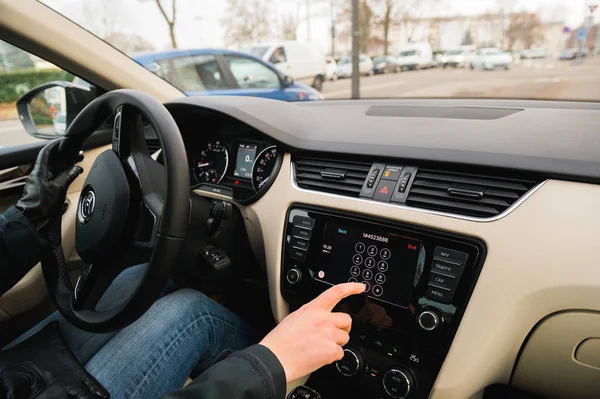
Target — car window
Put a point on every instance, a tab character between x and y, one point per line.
278	56
407	53
251	74
20	72
190	73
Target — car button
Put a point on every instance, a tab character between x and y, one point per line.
384	190
299	243
301	233
298	254
442	295
450	255
391	172
402	187
304	222
368	188
443	281
446	268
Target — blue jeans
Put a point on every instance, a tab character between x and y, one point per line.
184	330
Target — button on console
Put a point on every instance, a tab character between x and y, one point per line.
299	243
304	222
437	294
446	268
449	282
298	254
301	233
391	172
450	255
384	190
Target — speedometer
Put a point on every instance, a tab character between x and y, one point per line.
211	164
263	167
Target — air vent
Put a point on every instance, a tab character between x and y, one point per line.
153	145
331	175
465	194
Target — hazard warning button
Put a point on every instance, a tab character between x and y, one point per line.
384	190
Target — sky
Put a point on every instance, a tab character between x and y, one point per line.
199	22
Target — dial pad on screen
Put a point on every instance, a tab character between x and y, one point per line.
370	265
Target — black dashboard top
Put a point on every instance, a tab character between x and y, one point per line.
556	139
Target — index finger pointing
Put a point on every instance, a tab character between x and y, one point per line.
328	299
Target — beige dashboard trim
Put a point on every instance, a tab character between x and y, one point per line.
541	259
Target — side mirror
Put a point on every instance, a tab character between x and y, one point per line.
47	111
288	81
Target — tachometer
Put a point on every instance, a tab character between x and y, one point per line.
263	167
211	164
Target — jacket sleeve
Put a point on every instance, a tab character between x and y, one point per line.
254	373
21	247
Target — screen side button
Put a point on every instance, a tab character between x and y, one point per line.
304	222
301	233
298	254
450	255
443	267
299	243
444	281
439	294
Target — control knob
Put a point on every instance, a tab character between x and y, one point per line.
293	276
351	363
398	382
430	319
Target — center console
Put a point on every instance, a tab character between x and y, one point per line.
418	284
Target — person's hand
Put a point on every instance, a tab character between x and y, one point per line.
313	336
46	188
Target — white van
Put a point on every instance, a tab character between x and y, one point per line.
415	56
305	62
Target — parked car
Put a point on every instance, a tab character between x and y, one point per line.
572	53
224	72
344	66
415	56
491	58
534	53
457	58
305	62
60	123
330	68
385	63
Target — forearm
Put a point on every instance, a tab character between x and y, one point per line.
254	373
20	248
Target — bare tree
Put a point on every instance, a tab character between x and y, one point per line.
247	21
102	18
289	26
170	21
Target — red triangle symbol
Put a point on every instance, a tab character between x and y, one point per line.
384	190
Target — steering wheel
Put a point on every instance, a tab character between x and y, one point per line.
131	210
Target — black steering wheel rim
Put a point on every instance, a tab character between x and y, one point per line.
124	181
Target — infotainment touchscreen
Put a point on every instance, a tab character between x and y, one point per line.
386	262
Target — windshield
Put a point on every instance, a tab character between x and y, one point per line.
256	51
515	49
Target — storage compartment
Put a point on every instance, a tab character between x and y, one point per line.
561	358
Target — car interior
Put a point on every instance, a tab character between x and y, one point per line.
473	223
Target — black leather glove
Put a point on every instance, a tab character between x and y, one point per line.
43	367
46	188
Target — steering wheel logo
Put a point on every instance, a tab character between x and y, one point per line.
87	203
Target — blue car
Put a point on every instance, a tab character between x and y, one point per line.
223	72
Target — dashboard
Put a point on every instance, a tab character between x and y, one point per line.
474	222
228	157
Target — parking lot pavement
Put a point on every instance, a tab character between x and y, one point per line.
541	79
13	133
